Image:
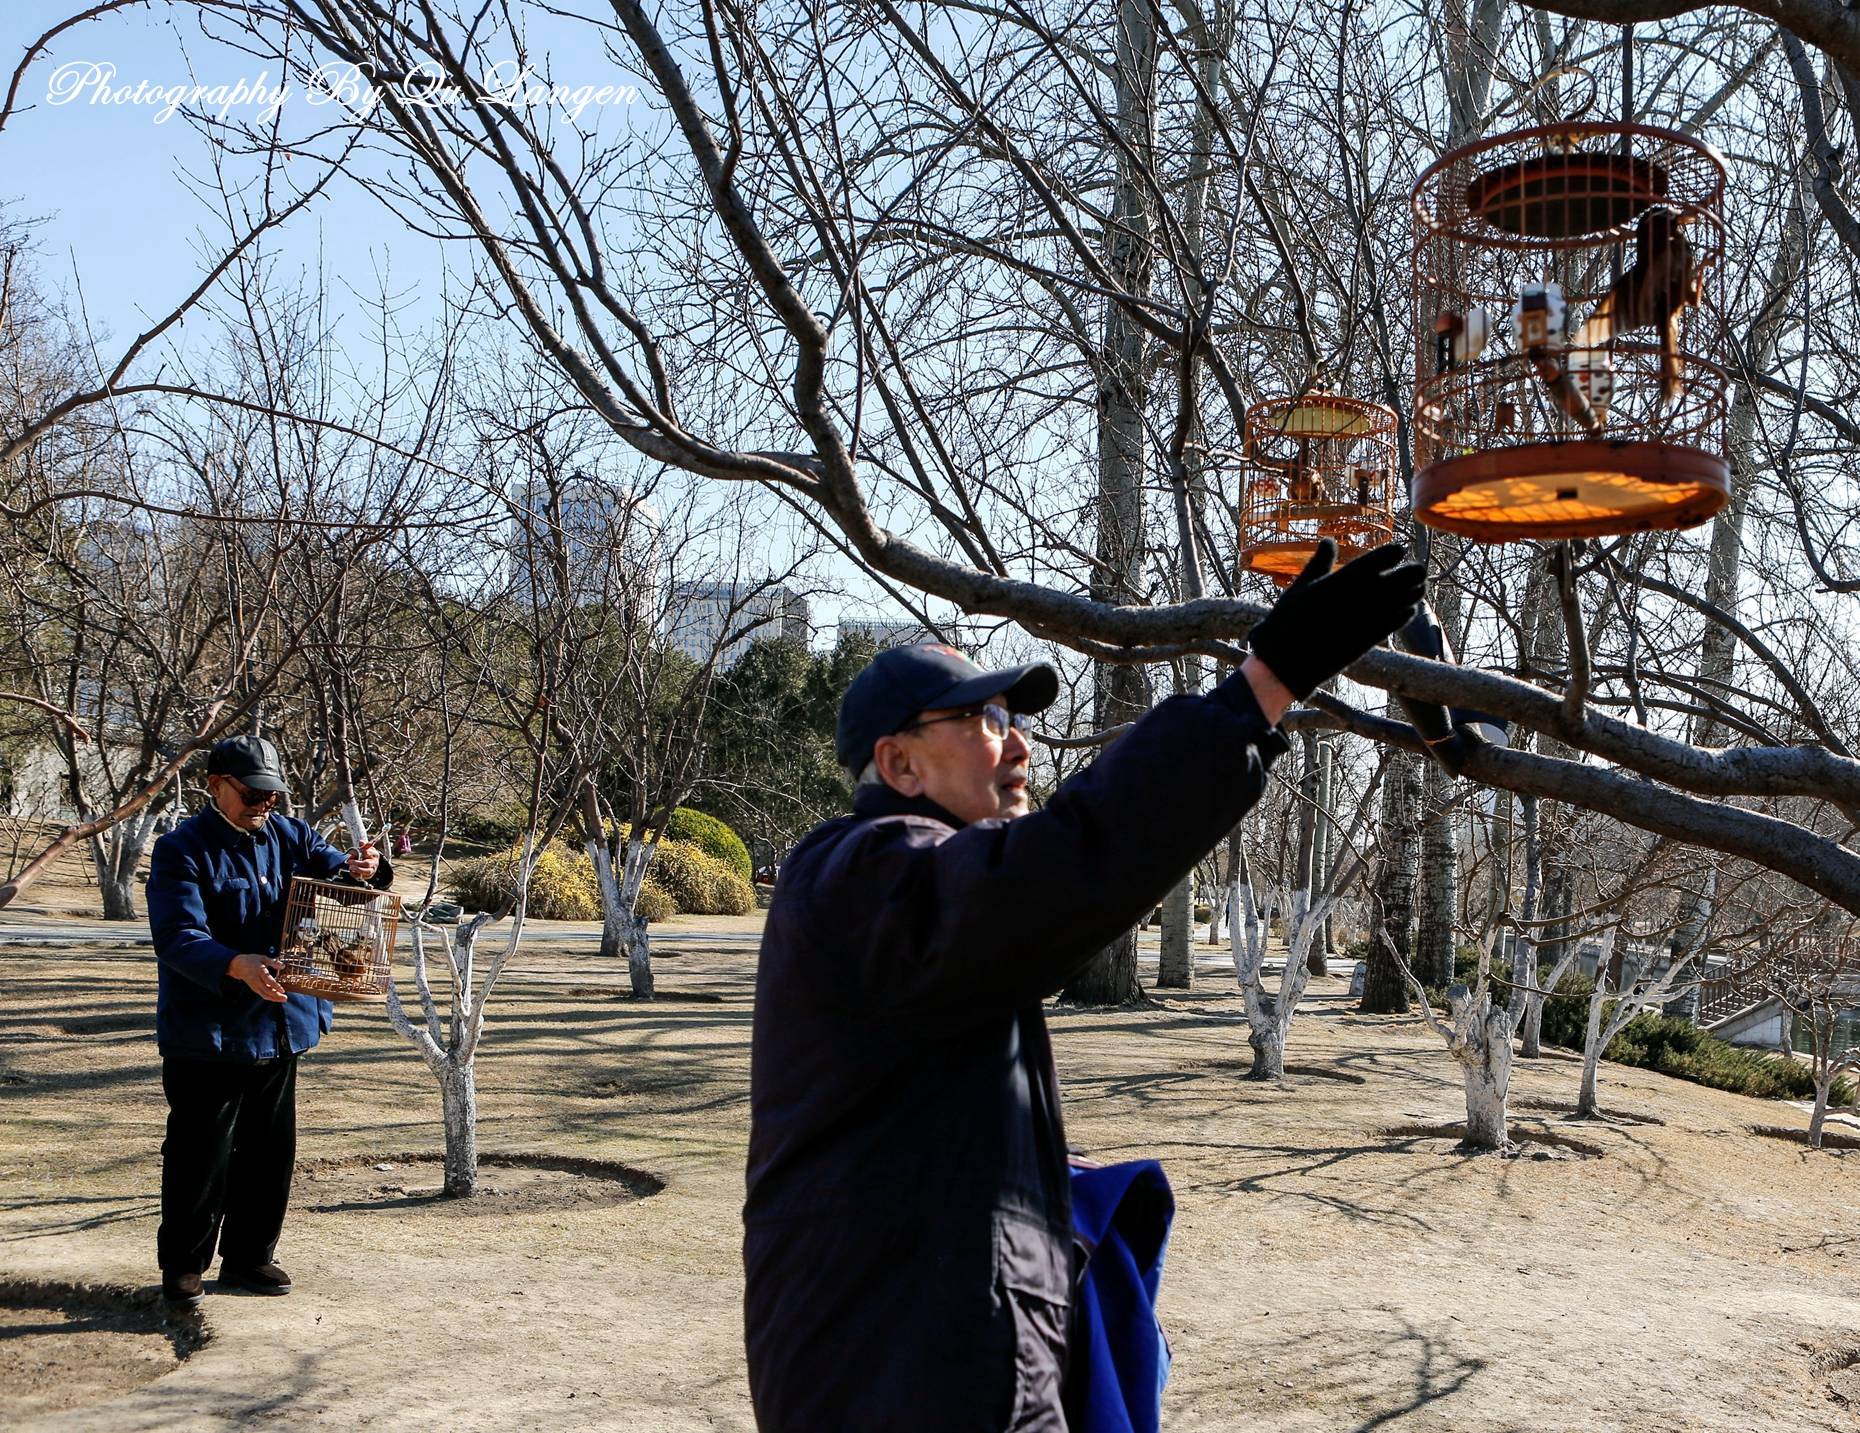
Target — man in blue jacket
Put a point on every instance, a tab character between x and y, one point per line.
908	1230
229	1034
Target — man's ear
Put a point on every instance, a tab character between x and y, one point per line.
897	768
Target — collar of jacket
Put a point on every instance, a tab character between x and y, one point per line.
213	819
878	799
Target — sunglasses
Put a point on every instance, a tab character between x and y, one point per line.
996	720
254	799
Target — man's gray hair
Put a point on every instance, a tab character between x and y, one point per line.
868	776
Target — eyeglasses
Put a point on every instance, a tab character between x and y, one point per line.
254	799
996	720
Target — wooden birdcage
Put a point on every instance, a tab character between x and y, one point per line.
1564	290
337	940
1316	466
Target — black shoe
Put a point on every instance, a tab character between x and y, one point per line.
181	1291
264	1279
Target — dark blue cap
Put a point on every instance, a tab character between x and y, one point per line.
251	760
904	681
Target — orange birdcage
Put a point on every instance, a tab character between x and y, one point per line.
1316	466
1563	285
338	940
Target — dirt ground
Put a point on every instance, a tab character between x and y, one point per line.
1335	1263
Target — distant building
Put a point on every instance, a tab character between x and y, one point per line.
728	618
611	541
883	632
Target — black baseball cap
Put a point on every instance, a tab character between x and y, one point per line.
249	759
903	681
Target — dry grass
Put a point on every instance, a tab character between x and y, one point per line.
1674	1272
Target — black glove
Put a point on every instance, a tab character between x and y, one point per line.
1325	620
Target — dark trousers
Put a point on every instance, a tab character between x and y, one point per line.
226	1163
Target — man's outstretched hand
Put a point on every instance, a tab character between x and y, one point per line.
1331	615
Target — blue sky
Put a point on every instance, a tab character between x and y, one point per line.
122	198
111	182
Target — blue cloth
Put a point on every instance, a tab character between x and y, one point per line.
215	892
1119	1356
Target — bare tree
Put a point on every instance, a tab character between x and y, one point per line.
1817	979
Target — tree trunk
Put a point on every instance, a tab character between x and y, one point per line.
1559	895
1440	871
118	889
1587	1105
1268	1042
1177	968
1485	1065
638	954
613	901
115	855
458	1094
1111	977
1324	855
1385	989
1310	869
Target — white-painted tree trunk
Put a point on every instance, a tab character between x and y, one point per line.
458	1097
450	1048
1269	1014
1634	996
623	930
1483	1050
1818	1117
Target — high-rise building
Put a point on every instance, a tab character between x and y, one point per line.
728	618
609	539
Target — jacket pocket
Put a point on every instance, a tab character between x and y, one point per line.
1033	1276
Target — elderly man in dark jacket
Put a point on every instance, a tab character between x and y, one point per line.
229	1034
907	1247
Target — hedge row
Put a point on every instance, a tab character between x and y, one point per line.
563	885
1651	1041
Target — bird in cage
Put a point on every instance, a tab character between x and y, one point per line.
1540	318
1661	284
1540	315
1459	339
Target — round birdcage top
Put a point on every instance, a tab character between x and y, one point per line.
1318	415
1555	186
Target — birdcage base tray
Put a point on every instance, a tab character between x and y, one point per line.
1586	488
1282	561
335	991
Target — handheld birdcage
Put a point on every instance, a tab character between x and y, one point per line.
1317	466
1564	289
337	940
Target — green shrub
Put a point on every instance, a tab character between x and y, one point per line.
562	883
497	824
699	883
1676	1047
654	903
711	836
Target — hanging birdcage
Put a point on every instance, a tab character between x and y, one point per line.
338	940
1564	288
1316	466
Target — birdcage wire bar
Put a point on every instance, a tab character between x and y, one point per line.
338	940
1542	409
1315	466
